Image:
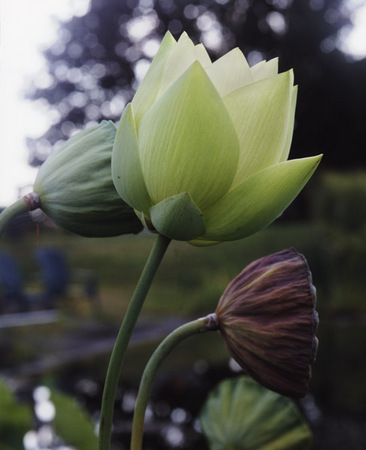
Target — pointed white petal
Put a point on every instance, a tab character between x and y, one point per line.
185	53
265	69
202	56
290	126
258	200
148	90
187	142
230	72
260	113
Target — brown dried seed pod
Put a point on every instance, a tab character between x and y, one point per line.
268	320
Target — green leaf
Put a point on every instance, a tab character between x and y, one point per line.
188	143
72	423
178	218
259	200
126	168
260	113
240	414
15	420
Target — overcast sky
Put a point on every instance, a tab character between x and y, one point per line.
27	27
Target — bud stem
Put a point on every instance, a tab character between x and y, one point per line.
27	203
166	346
123	338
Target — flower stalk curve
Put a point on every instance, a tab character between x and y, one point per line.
123	338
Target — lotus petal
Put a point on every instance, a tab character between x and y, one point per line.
259	200
126	168
188	142
260	113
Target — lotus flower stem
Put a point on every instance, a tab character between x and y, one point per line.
208	323
123	338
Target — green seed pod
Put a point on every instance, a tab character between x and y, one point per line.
76	190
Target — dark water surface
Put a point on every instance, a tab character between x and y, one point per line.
335	407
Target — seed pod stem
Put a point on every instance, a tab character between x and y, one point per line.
208	323
29	202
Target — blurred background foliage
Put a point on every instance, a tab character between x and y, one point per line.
97	62
15	420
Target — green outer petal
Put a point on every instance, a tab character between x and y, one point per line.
150	85
290	127
178	218
230	72
264	69
126	168
259	200
188	143
260	113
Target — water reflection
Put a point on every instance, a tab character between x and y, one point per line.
44	409
179	416
162	409
173	436
44	438
311	409
30	441
335	409
87	386
128	402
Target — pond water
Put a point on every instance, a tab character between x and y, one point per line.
335	407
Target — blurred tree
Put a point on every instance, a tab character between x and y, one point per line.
100	57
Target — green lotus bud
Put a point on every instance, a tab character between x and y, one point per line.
268	320
74	187
219	133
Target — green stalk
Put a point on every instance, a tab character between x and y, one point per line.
17	208
123	338
208	323
29	202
